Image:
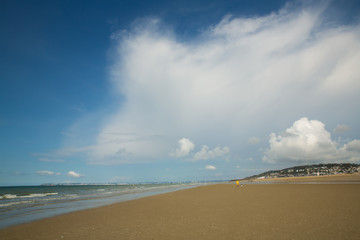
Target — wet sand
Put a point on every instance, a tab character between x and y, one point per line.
222	211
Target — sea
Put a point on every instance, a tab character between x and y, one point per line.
23	204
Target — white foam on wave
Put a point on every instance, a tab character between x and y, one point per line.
14	203
42	194
34	201
8	196
32	195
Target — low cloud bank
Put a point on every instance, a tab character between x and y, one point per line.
307	141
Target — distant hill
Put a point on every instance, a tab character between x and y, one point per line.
310	170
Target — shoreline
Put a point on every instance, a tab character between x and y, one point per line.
220	211
25	209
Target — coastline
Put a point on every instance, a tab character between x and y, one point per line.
220	211
20	205
339	178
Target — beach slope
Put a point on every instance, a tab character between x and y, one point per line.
222	211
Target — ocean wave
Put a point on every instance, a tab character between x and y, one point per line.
32	195
8	196
14	203
33	202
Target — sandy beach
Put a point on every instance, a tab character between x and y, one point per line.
222	211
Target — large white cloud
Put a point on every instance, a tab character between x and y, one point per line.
309	141
184	149
238	79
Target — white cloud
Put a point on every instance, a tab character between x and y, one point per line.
206	153
45	172
184	149
341	129
74	174
309	141
210	167
240	78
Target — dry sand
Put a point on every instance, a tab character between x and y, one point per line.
223	211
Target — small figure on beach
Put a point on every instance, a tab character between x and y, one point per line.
238	183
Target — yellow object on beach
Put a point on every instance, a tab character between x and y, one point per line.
237	183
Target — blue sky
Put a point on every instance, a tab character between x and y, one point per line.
133	91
